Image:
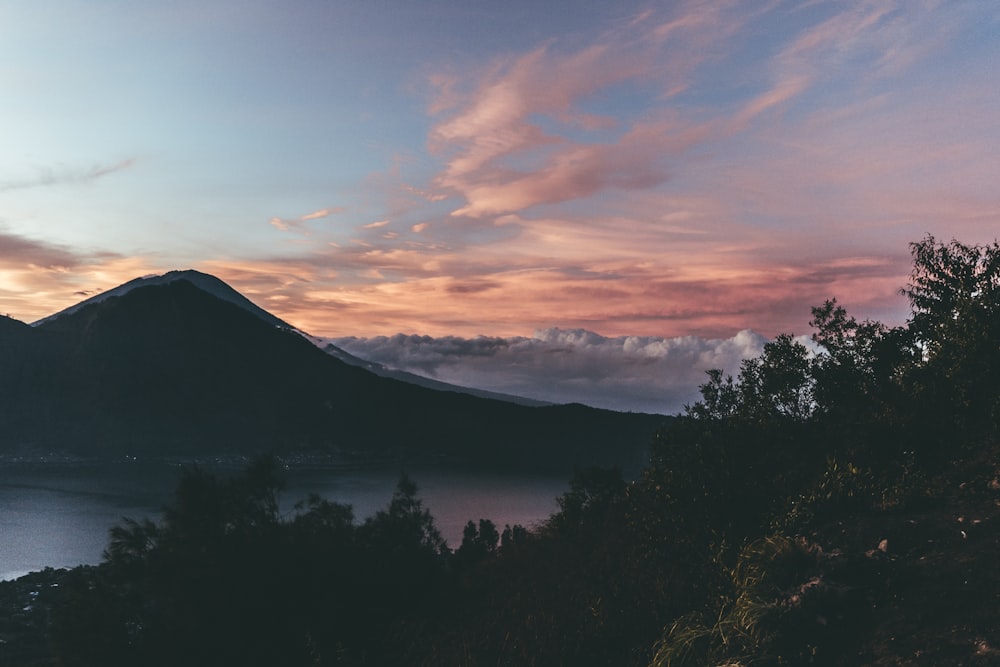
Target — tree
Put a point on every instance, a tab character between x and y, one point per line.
954	294
131	542
478	543
858	374
776	385
512	535
225	580
406	525
592	491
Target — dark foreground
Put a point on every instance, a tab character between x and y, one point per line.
914	587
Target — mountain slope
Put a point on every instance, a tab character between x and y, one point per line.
169	369
419	380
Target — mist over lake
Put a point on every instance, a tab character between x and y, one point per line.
58	515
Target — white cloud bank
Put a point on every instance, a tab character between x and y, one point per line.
638	373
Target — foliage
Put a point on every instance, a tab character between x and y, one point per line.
479	543
750	622
592	491
864	425
841	489
224	580
954	292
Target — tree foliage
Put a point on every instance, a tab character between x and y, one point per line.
225	580
954	292
864	423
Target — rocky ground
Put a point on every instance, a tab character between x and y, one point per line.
929	581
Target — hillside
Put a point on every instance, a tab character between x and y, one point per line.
169	368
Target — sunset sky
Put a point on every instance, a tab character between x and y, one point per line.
644	178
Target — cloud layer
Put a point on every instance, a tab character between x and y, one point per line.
637	373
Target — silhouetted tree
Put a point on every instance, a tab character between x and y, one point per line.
512	535
478	543
954	293
591	493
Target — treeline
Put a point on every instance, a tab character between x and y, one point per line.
715	555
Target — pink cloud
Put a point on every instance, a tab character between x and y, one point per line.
636	161
498	124
706	276
323	213
513	140
298	224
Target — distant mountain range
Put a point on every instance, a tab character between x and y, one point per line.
182	364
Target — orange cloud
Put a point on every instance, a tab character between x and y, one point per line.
31	290
323	213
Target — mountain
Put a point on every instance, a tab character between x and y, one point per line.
218	288
166	367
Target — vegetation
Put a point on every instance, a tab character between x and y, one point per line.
837	507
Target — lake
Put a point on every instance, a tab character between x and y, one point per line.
58	515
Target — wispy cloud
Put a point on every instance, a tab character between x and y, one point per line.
54	176
524	134
323	213
299	224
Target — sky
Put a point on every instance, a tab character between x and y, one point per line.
577	200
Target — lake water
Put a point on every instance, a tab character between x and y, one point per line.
58	515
